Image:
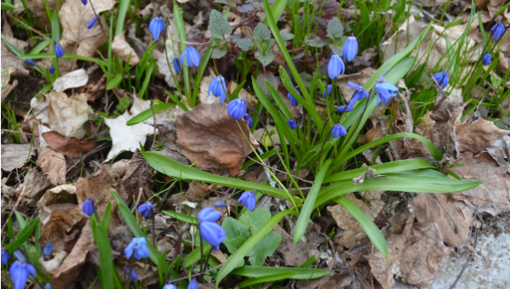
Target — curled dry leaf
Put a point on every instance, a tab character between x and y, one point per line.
69	146
74	18
478	135
14	156
207	136
66	115
121	48
500	151
71	267
53	165
73	79
57	224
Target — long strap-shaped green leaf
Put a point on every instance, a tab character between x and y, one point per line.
373	233
238	256
261	271
306	211
177	170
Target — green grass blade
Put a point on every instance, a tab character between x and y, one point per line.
182	217
121	16
175	169
133	226
105	256
373	233
181	32
198	79
146	114
277	10
268	278
114	82
306	211
261	271
238	256
194	256
22	236
6	6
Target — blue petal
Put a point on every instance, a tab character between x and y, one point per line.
209	215
128	251
350	49
212	233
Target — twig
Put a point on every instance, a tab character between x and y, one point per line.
31	29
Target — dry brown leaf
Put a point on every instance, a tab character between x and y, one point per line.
137	177
446	115
427	210
72	147
478	135
58	223
500	151
293	254
14	156
71	267
73	79
53	165
353	233
168	134
67	115
99	188
197	190
74	18
121	48
207	136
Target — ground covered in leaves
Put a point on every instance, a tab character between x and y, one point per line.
81	136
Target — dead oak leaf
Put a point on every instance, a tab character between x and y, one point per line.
207	136
74	18
53	165
121	48
69	146
478	135
67	115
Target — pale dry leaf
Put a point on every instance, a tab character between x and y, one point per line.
53	165
123	50
353	233
74	18
53	264
71	267
207	136
39	107
58	222
34	184
500	151
478	135
73	79
66	115
14	156
58	195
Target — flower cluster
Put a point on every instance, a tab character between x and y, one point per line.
20	270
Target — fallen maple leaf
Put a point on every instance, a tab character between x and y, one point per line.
207	136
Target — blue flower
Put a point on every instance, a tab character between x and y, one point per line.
92	22
51	69
5	256
486	59
169	286
247	117
293	100
177	65
336	66
385	91
84	2
329	89
220	204
47	286
248	199
218	87
345	108
193	284
212	233
360	92
292	123
209	215
498	30
133	276
20	271
441	78
157	26
88	207
47	249
138	247
59	52
338	130
350	49
237	108
190	57
30	62
146	209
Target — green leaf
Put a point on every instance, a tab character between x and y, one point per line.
218	25
268	278
306	211
287	36
22	236
105	256
219	52
175	169
373	233
238	256
133	226
260	271
245	44
235	229
194	256
255	220
264	58
182	217
315	42
335	28
400	70
146	114
114	82
261	32
277	10
263	249
121	16
6	6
